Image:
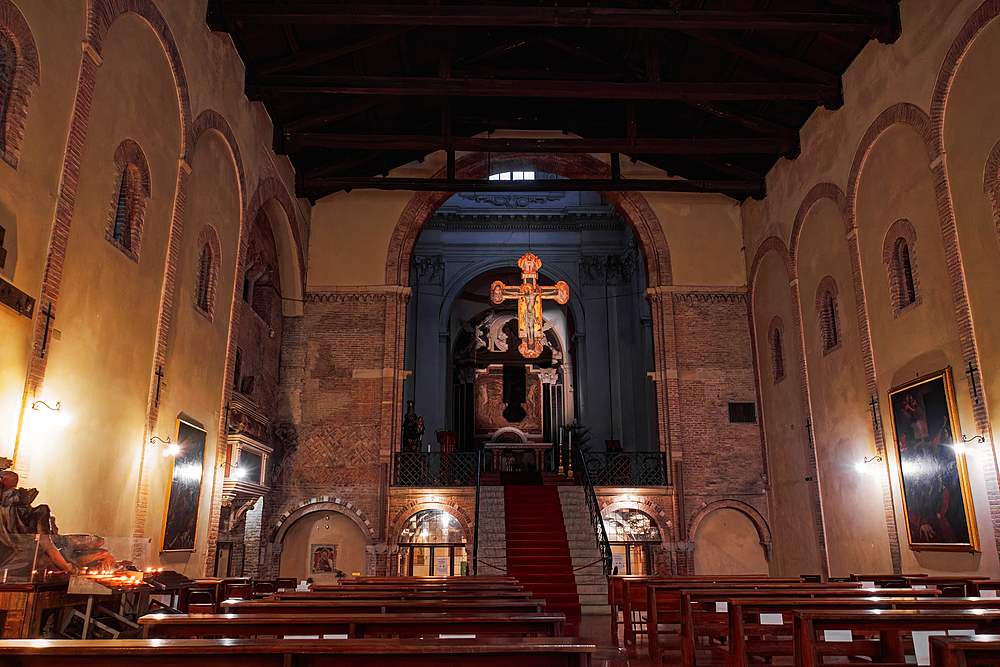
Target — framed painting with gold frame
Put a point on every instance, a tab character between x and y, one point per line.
933	476
180	521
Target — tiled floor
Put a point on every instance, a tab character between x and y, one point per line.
598	630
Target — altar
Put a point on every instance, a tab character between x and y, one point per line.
509	456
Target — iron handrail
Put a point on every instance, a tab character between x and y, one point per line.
475	529
603	544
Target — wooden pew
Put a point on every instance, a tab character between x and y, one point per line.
663	601
627	594
713	614
777	638
347	594
977	651
809	627
352	625
381	606
483	652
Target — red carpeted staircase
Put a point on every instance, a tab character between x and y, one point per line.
537	552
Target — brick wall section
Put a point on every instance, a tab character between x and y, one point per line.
714	368
332	392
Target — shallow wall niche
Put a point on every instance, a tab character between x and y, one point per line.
325	527
726	542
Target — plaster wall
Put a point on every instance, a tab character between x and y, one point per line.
793	525
895	181
322	528
103	350
852	503
99	278
28	193
726	542
196	356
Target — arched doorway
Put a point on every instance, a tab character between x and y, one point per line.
321	543
432	543
468	377
633	535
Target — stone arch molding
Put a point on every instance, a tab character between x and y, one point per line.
647	507
327	504
632	206
272	196
447	504
759	522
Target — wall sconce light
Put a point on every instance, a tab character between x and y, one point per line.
973	438
59	416
156	438
862	466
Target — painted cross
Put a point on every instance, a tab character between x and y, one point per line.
529	303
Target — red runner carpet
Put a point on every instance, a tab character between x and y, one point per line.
537	550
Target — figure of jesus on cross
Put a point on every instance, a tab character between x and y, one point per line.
529	303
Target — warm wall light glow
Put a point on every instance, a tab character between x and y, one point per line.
173	449
959	447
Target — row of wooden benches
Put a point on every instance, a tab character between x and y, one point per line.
382	621
750	619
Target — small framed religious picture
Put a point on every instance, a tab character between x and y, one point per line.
933	476
324	559
180	525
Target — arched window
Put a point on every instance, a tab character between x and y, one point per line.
776	338
632	534
126	210
7	63
19	74
899	258
128	205
904	274
207	277
432	543
829	318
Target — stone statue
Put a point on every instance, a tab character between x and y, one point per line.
413	430
27	532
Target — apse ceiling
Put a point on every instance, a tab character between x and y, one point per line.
708	92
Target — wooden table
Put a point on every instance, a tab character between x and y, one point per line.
889	624
377	606
482	652
352	625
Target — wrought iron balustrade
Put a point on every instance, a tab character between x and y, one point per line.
627	468
435	468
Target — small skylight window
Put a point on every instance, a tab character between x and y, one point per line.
513	176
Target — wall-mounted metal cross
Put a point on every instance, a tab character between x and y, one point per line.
529	303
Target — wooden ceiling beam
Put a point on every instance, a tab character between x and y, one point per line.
337	113
323	54
426	86
769	59
747	120
739	188
229	17
500	145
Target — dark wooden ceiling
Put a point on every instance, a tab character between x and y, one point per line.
711	92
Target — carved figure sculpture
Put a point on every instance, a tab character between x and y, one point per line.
26	530
413	430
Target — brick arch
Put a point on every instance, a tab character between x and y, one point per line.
338	505
449	505
102	13
210	119
818	192
26	75
901	229
991	184
759	522
902	113
975	24
129	156
632	206
645	506
272	187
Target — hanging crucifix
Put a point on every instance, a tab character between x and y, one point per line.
529	303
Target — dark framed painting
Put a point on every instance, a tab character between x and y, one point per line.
180	524
932	471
